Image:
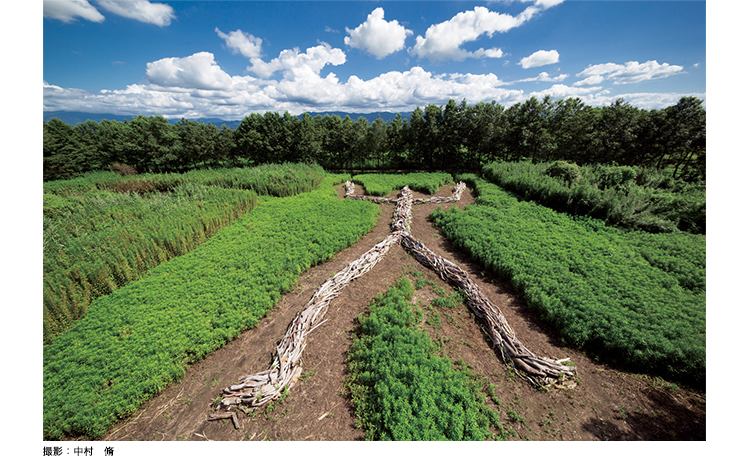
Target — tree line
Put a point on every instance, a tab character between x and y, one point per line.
454	137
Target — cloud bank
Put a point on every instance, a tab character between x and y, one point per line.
196	86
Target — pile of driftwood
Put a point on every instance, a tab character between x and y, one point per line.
262	387
349	193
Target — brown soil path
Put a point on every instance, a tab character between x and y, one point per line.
606	405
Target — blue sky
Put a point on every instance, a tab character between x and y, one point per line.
228	59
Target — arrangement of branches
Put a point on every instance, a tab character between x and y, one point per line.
539	371
262	387
402	214
455	196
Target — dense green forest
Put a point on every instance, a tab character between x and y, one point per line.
454	137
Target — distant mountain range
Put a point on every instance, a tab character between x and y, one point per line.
73	118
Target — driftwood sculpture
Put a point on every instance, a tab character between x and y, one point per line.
258	389
540	371
262	387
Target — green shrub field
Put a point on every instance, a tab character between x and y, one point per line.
103	230
136	340
145	274
384	184
285	179
632	299
401	389
626	196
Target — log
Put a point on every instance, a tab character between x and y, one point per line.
225	415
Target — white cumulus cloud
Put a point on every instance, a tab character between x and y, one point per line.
378	36
67	11
443	41
630	72
540	58
241	42
544	77
294	64
564	91
198	71
592	80
545	3
141	10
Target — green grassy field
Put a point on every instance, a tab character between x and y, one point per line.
103	231
139	338
384	184
632	299
401	389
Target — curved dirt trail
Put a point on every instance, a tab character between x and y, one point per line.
607	404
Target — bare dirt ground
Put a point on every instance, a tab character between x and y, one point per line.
607	404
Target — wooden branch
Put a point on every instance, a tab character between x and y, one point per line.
225	415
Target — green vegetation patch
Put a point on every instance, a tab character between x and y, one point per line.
101	241
401	389
281	180
630	197
384	184
629	298
103	231
135	341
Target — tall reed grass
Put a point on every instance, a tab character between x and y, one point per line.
103	231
